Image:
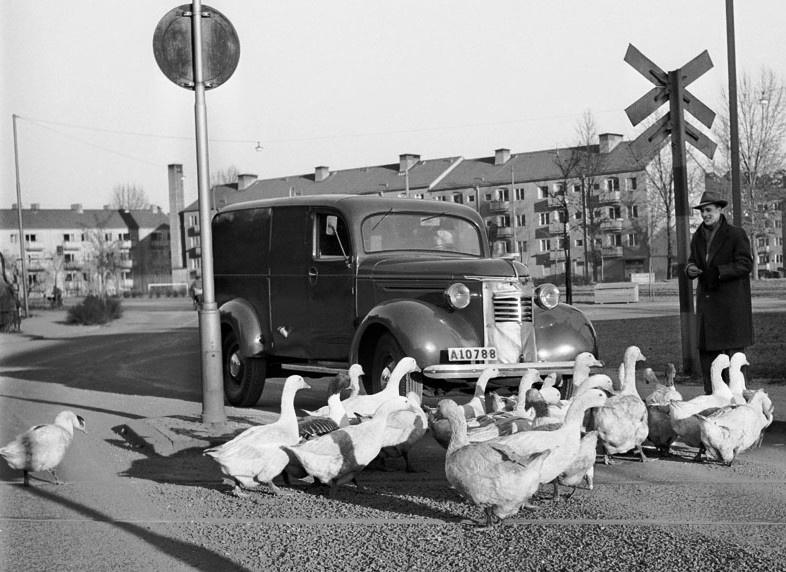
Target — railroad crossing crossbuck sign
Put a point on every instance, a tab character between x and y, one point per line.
652	138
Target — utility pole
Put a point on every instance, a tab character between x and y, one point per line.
513	211
23	285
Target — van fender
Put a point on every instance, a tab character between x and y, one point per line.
420	328
563	332
240	315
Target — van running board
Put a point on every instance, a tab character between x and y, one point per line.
333	370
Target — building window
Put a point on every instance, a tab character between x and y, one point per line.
543	192
193	241
543	219
544	244
633	239
631	184
69	257
559	189
488	196
613	184
14	238
633	211
615	213
522	245
124	236
615	240
503	194
521	220
778	241
193	220
470	198
519	193
458	198
576	188
68	237
779	258
578	215
30	238
763	241
579	242
560	244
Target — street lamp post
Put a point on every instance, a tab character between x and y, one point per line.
23	285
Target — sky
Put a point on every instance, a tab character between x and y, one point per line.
342	84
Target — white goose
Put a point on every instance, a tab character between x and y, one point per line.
476	406
683	413
337	458
728	432
622	424
582	370
366	405
491	475
662	393
353	382
42	448
316	425
404	428
564	441
550	393
255	456
736	377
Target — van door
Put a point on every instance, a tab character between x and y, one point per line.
331	287
290	256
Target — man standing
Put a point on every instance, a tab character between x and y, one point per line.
720	257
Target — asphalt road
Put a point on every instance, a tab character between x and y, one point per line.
126	508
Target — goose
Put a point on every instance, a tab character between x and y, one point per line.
582	370
42	448
548	391
255	456
663	393
728	432
582	468
736	377
352	375
563	441
315	425
337	457
404	428
490	475
475	407
622	424
682	414
366	405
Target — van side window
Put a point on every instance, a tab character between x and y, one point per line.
332	238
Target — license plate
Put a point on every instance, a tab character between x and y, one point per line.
472	354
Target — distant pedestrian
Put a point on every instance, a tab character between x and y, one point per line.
720	257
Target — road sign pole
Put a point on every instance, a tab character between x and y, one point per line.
209	317
690	363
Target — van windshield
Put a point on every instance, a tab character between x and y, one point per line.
390	230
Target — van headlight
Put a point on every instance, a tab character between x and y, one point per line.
458	296
547	296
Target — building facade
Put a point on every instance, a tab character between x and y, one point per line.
84	251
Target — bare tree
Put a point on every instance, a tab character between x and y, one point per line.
105	257
761	105
589	166
566	202
226	176
129	197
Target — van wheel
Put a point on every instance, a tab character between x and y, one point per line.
387	354
244	378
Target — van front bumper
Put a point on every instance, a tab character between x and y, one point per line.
473	370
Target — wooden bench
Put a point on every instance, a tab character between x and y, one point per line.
616	292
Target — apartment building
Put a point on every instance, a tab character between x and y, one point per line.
62	247
534	203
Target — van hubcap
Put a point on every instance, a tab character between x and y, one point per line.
234	365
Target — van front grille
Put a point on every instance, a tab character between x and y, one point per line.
512	307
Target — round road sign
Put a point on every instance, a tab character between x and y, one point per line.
173	50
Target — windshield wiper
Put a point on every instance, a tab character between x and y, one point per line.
379	222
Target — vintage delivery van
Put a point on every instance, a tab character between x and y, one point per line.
313	284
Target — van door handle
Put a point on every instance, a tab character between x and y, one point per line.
312	275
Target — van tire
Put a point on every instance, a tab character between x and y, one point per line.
244	377
387	354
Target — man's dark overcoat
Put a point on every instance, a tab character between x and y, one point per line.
723	297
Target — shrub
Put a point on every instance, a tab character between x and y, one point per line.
94	310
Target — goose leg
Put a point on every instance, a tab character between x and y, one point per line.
643	457
607	460
53	472
555	495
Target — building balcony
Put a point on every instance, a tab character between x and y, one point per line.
126	264
611	251
557	255
504	232
73	265
557	227
494	206
194	230
34	246
124	244
72	246
556	201
611	225
610	196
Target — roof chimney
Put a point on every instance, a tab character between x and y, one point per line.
608	141
501	156
77	207
34	206
407	161
321	173
245	180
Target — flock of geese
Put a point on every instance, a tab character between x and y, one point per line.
499	450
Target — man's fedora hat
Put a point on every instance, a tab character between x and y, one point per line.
710	198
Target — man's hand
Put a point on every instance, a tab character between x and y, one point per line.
692	270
